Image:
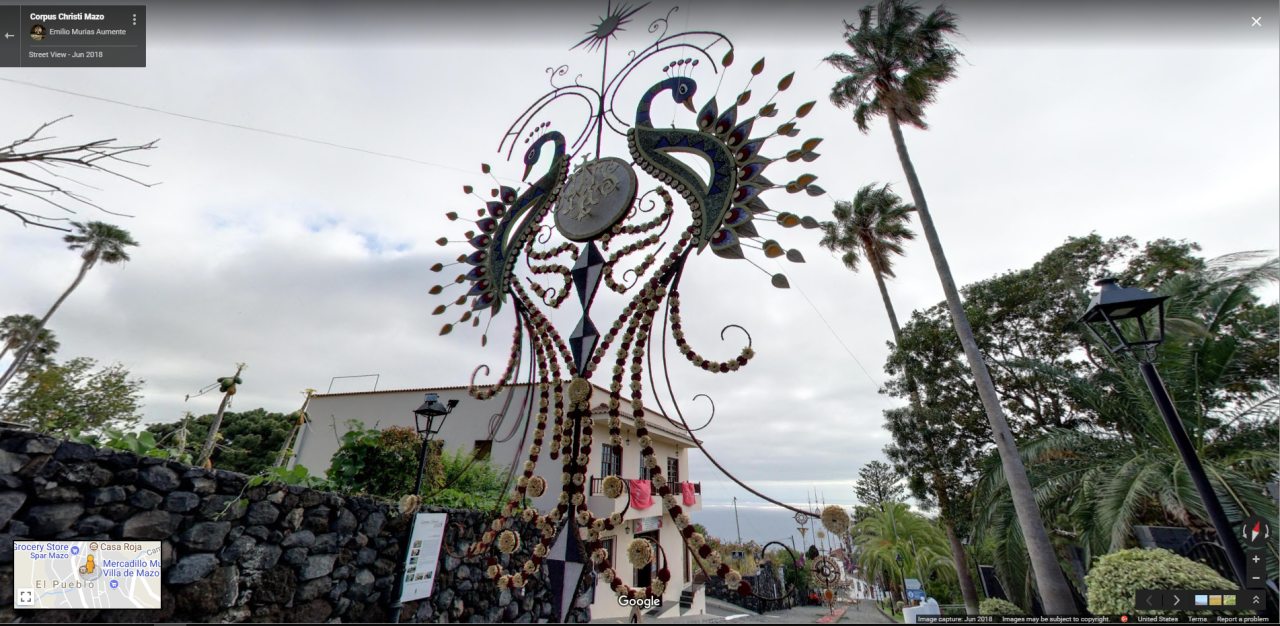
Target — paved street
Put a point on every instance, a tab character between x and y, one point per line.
719	612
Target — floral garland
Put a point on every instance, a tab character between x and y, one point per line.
635	325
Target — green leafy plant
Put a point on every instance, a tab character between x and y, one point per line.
299	475
465	483
141	443
76	395
996	606
793	570
380	462
1116	577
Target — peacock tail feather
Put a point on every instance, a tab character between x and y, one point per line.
505	226
724	208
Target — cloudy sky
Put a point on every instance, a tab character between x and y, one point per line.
309	261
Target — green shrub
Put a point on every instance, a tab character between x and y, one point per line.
380	462
996	606
898	606
1116	577
463	482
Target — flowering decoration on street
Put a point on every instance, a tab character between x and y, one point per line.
598	202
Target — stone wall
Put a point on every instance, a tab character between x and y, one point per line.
233	553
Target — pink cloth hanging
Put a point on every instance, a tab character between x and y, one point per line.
641	494
687	490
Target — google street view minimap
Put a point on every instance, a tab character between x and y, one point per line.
86	574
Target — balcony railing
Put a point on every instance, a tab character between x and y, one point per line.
597	487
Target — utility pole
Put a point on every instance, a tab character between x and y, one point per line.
810	508
735	520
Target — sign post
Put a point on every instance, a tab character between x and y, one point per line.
422	556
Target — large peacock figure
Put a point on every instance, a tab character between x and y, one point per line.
724	210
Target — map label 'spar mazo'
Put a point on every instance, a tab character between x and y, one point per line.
117	574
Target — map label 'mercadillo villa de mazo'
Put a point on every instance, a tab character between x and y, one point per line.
474	426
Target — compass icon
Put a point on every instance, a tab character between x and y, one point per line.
1255	531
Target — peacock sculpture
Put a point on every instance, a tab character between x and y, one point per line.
499	238
725	209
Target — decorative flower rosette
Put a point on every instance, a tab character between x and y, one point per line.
640	552
612	487
836	520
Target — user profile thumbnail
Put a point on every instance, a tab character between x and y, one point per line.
38	32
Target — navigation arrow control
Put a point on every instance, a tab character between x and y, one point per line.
1176	599
8	35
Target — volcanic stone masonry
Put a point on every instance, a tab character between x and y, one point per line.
233	553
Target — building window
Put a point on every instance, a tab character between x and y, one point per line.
608	544
484	447
611	461
673	470
644	471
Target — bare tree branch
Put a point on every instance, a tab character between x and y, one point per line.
38	173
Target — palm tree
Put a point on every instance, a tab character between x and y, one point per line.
17	330
873	227
893	531
900	58
1101	482
97	242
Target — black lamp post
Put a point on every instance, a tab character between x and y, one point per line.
1115	304
428	419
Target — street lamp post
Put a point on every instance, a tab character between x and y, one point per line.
428	419
1115	304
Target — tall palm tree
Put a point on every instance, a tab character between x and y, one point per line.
17	330
97	242
900	58
873	227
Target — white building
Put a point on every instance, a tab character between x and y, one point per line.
478	425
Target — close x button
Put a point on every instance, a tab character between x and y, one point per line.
1149	600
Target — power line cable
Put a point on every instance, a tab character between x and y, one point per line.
240	126
824	321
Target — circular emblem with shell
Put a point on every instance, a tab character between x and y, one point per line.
597	195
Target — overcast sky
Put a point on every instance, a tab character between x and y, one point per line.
308	261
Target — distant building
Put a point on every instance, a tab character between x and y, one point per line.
477	426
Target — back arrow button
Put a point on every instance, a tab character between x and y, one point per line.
8	36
